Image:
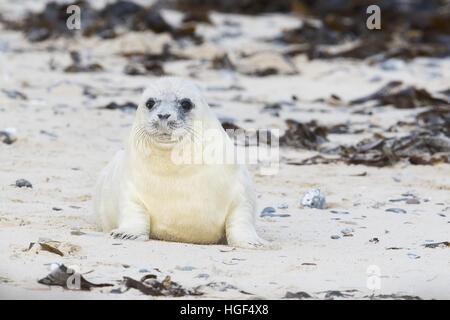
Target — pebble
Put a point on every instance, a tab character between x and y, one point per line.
185	268
413	201
267	211
313	198
297	295
413	255
203	276
270	212
8	135
398	200
339	212
396	210
392	64
144	270
347	231
335	237
77	232
22	183
283	206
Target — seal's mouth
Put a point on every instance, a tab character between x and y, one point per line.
166	138
167	132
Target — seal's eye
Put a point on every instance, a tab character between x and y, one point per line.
150	103
186	104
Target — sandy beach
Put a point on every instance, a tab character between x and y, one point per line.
65	137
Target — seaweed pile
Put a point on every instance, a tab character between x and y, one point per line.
427	143
105	23
328	29
409	29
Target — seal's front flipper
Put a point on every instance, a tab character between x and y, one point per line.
134	223
129	235
240	230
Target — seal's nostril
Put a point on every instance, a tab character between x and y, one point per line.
163	116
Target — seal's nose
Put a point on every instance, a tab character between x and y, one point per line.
163	116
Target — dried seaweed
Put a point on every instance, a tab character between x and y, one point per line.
444	244
393	297
303	135
105	22
150	63
222	62
417	147
396	94
78	66
318	159
127	106
144	67
69	279
415	29
47	247
234	6
15	94
150	285
428	144
297	295
436	120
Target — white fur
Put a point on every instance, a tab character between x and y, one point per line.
142	194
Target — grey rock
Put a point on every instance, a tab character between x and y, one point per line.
267	211
297	295
8	136
270	212
413	201
413	255
283	206
22	183
347	231
392	64
313	198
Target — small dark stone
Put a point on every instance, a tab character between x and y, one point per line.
347	232
14	94
331	294
7	137
297	295
22	183
339	212
396	210
268	211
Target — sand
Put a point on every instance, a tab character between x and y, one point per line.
64	140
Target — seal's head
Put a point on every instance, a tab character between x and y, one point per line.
168	110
